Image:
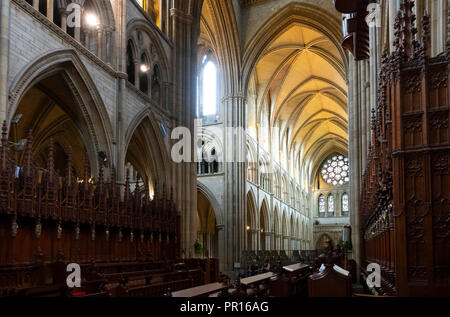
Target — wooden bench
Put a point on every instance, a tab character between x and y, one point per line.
201	291
255	285
156	290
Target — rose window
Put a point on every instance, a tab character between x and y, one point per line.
336	171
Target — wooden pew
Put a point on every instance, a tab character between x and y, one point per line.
256	285
202	291
298	275
156	290
330	283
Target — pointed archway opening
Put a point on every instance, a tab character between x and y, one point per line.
48	111
207	235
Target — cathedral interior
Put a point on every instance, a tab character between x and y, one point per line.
226	148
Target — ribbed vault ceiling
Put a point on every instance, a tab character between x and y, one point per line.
300	76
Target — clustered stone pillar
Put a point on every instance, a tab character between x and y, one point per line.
4	49
235	170
184	175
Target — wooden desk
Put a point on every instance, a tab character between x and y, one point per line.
201	291
257	278
295	267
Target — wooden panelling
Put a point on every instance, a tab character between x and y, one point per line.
406	204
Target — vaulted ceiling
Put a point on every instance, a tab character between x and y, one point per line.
300	77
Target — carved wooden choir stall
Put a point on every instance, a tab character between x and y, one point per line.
406	201
46	219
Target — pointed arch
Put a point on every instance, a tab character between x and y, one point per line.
91	114
213	200
151	147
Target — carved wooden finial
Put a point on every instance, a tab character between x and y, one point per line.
86	176
51	160
426	35
405	30
69	166
29	154
113	175
137	189
127	185
5	148
5	133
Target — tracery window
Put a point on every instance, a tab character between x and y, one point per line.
345	204
207	88
331	204
322	208
336	171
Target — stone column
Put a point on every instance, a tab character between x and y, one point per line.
121	80
235	170
184	175
4	54
36	4
354	154
393	9
269	241
50	13
221	243
137	71
64	14
100	42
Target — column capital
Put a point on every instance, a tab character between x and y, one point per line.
235	97
177	13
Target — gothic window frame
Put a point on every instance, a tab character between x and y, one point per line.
205	60
322	202
345	211
331	204
130	62
145	77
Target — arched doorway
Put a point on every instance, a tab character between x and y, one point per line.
276	229
250	221
207	237
263	226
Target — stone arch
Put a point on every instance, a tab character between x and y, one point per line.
96	128
251	224
264	223
212	199
155	147
208	222
161	57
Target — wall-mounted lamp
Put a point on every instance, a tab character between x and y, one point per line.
144	68
92	20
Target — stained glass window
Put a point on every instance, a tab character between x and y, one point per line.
321	204
330	204
345	207
336	171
